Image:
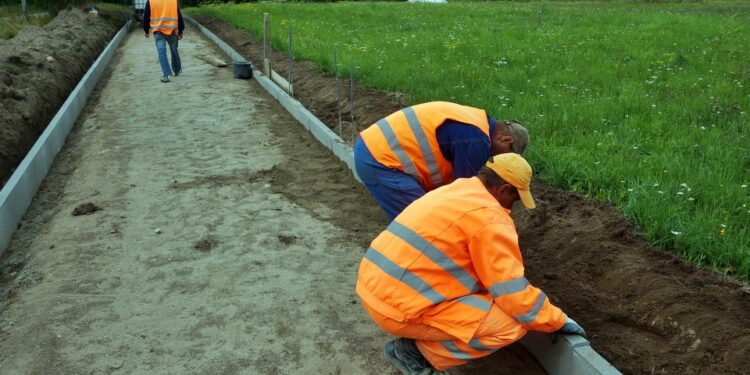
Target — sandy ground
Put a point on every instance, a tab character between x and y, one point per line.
195	263
181	158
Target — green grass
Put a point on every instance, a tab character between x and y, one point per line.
12	21
12	24
642	105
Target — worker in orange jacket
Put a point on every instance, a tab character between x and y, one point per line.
447	276
164	19
425	146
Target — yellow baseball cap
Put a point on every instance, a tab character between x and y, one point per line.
515	170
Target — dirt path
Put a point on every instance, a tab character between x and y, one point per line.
210	254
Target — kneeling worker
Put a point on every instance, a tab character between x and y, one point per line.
425	146
447	275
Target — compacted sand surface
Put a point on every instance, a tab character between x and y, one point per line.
181	230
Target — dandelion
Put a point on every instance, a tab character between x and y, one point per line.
676	233
680	193
743	186
691	199
660	192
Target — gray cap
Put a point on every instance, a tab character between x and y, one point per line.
520	136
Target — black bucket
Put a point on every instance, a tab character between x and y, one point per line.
242	69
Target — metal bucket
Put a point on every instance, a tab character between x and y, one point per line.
242	69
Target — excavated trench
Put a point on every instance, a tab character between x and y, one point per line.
646	311
38	69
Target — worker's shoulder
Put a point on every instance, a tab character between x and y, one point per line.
487	215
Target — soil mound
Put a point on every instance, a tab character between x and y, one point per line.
87	208
38	69
644	310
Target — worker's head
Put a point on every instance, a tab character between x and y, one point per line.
509	136
508	178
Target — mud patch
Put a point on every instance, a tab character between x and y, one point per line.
206	244
238	178
87	208
286	240
645	311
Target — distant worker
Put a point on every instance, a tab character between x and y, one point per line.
164	19
447	276
425	146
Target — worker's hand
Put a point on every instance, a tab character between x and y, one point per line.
572	328
179	36
146	35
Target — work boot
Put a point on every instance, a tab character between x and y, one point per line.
403	354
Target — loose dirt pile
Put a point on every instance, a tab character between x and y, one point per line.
644	310
39	67
85	209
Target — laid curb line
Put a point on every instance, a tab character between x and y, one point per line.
318	129
558	354
16	195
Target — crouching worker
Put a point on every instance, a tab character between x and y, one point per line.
447	276
423	147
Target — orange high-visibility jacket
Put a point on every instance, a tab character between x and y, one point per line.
406	140
446	258
164	16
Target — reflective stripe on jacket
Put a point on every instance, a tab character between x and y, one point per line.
445	259
164	18
406	140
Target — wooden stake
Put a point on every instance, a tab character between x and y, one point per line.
338	90
266	37
290	60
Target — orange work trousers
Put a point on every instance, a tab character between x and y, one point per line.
444	350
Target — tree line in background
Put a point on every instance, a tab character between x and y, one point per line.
54	6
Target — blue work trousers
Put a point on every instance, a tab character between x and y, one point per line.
392	188
161	49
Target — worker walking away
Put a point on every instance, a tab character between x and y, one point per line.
423	147
447	276
164	19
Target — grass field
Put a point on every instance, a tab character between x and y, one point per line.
640	104
12	20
